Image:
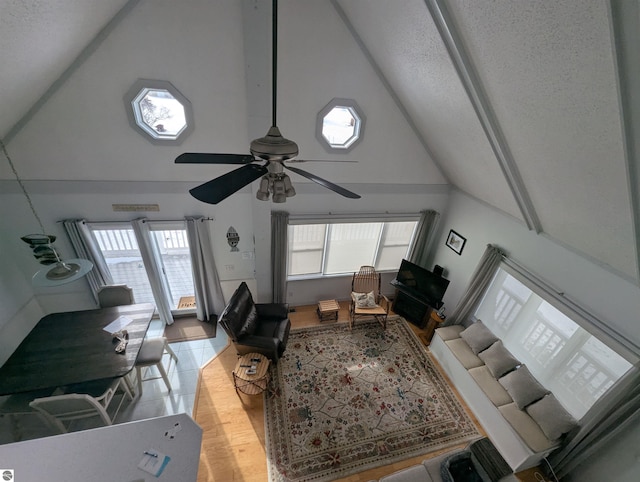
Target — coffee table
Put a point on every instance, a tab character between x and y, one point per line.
251	383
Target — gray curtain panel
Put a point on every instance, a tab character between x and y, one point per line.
149	255
279	227
421	247
480	279
206	283
85	247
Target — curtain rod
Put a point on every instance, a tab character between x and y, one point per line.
353	215
145	220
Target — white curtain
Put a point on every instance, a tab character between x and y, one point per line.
206	283
604	421
279	228
149	253
85	247
482	276
419	251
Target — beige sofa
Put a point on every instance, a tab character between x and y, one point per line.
524	430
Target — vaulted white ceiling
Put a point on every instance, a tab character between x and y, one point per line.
518	104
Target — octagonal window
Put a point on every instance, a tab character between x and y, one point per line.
159	111
339	125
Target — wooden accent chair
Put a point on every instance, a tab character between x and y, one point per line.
366	299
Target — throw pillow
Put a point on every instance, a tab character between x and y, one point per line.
552	417
364	300
498	359
478	337
522	387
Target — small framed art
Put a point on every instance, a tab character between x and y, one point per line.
455	241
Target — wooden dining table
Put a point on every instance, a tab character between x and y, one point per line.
73	347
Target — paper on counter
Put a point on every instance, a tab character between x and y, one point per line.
154	462
117	324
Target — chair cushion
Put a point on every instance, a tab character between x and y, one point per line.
552	417
478	337
151	351
251	321
498	359
523	387
364	300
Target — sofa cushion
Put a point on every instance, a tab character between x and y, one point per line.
523	387
529	431
490	386
449	332
552	417
498	359
478	337
463	353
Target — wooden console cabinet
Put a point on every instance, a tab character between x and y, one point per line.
413	309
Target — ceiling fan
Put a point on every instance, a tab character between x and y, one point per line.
273	149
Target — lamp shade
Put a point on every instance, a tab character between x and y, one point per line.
62	272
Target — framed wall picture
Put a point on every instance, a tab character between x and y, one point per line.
455	241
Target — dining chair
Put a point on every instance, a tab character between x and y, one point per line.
151	354
60	411
115	295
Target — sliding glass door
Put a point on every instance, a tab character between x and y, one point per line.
119	246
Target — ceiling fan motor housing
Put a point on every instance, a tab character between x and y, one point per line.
274	147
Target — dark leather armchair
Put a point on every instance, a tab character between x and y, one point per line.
256	327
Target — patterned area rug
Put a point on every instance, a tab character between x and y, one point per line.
345	401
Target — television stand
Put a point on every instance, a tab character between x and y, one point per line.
412	308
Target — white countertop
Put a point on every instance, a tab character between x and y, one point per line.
108	454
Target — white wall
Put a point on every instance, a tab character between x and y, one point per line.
612	299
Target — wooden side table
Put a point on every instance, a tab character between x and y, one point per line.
251	383
432	324
328	310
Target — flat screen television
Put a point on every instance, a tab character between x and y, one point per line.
421	282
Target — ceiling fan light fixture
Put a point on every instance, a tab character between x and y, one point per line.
288	187
279	191
263	190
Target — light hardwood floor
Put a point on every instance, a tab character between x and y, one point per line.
233	442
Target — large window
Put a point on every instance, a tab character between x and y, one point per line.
575	365
334	249
119	246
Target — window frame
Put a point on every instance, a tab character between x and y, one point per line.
175	225
359	119
565	350
328	222
131	97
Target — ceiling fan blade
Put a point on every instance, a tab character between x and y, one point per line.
222	187
204	158
323	182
